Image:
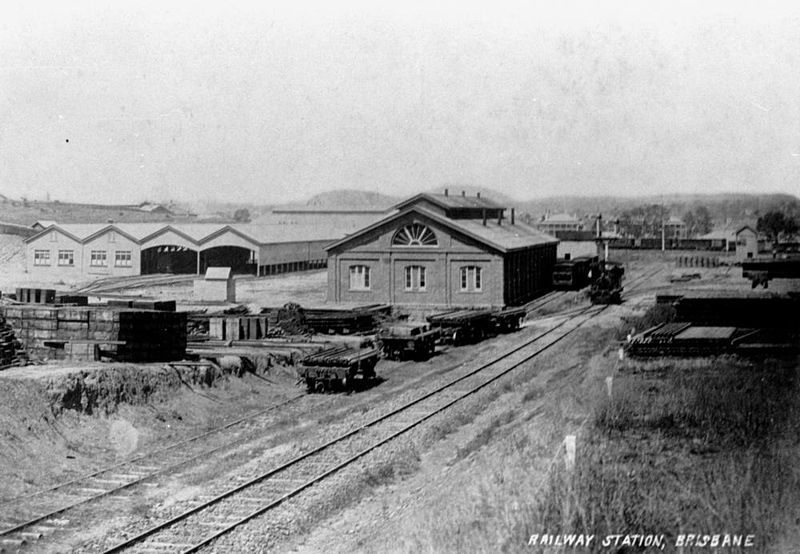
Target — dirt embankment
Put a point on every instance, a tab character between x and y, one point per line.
59	422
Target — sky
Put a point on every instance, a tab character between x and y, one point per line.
273	102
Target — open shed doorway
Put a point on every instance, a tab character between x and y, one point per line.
169	259
242	261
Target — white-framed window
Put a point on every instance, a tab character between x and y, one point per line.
415	278
99	258
359	277
53	236
471	278
66	257
112	236
41	257
122	258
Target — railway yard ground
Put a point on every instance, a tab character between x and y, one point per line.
478	464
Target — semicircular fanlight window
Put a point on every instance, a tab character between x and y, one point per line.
415	234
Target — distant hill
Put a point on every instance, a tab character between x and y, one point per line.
723	207
346	199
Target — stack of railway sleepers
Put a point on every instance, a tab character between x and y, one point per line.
79	332
11	353
463	325
738	309
249	327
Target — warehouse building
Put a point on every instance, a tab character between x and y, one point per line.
442	250
84	251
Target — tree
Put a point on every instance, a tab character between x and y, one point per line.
698	221
242	215
775	225
643	221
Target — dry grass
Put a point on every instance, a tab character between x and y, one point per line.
708	447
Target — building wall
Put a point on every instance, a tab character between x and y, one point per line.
577	248
111	242
442	263
746	244
53	242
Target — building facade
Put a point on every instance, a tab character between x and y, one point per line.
441	250
76	252
746	243
552	224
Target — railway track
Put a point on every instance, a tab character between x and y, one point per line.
261	492
27	518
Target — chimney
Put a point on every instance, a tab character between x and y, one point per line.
445	192
463	193
499	217
479	194
600	226
484	217
512	216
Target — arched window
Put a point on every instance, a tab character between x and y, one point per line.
415	234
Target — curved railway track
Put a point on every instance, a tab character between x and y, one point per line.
25	517
232	507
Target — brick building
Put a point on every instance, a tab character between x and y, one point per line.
442	250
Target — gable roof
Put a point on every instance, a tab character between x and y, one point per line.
450	201
743	227
502	238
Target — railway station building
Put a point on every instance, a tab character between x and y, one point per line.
75	252
442	250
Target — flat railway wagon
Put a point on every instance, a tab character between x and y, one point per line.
338	367
463	326
573	274
408	341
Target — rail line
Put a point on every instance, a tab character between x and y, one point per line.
19	525
235	506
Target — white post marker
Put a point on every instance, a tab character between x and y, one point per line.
609	385
569	451
621	353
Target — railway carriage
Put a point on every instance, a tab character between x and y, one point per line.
573	274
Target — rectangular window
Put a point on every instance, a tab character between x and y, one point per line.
98	258
41	257
415	278
359	277
122	258
471	278
66	257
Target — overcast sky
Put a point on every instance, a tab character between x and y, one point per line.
131	101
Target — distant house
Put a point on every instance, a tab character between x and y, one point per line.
43	224
154	208
551	224
746	243
675	228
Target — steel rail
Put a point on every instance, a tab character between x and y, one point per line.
294	461
57	511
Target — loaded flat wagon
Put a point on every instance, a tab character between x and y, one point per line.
408	341
338	367
508	319
462	326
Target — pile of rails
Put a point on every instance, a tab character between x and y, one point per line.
92	333
337	367
362	319
719	322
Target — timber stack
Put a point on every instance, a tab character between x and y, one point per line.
92	333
